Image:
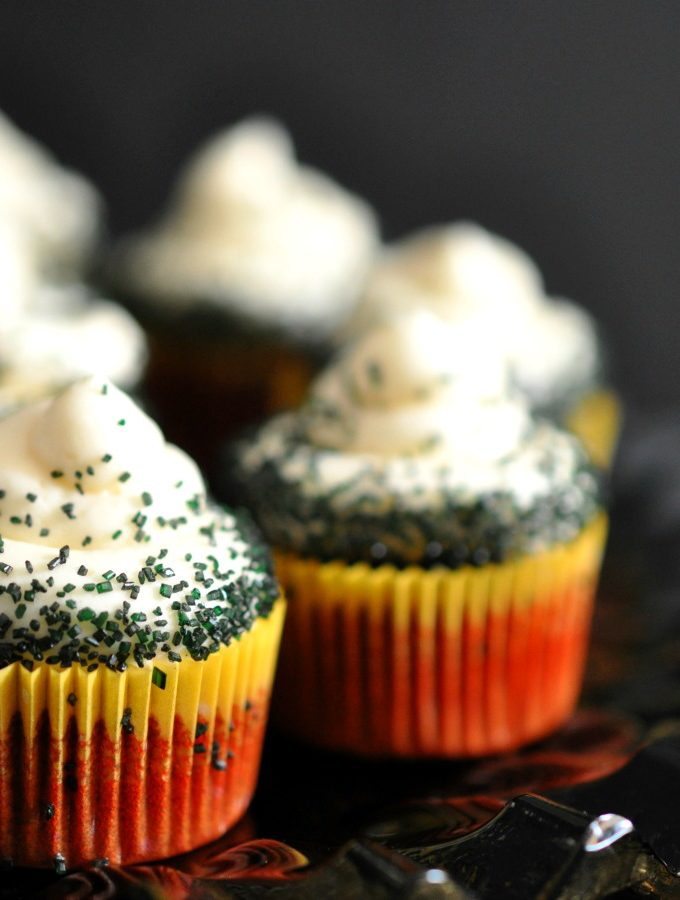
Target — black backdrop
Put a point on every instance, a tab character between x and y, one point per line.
555	123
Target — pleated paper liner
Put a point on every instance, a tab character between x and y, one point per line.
596	420
135	765
435	663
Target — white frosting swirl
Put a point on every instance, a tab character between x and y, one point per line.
411	384
61	334
88	471
253	231
467	275
413	412
55	208
19	279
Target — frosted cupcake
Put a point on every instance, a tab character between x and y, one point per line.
138	633
256	262
57	210
439	547
60	333
467	275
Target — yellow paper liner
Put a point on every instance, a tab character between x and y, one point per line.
114	765
439	662
596	420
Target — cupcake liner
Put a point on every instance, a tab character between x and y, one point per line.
227	386
134	765
596	420
439	662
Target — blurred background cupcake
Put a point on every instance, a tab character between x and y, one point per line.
487	284
62	333
257	261
139	627
56	211
439	546
54	328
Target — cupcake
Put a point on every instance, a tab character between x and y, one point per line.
438	545
256	262
60	333
467	275
57	210
138	634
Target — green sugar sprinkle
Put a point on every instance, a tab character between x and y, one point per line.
103	587
55	473
158	677
116	535
147	499
121	421
124	477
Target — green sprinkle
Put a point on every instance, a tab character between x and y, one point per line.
103	587
116	535
124	477
15	520
108	575
90	586
55	473
90	470
121	421
105	389
107	458
84	615
44	532
158	677
31	497
147	499
87	540
374	373
166	590
20	610
68	588
67	509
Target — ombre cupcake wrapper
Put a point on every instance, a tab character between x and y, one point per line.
439	662
596	420
134	765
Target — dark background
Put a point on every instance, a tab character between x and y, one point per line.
554	123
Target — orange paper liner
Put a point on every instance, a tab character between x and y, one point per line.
596	420
135	765
439	662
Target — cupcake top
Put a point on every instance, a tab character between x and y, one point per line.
465	274
57	210
62	334
255	234
412	448
110	552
